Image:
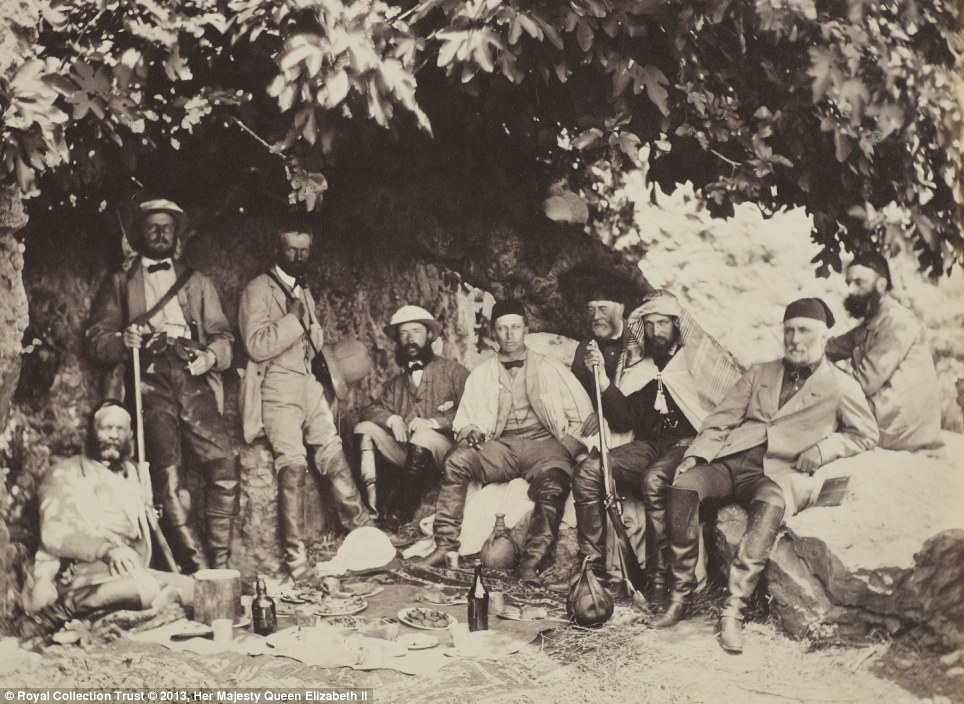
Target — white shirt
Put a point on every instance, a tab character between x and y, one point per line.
170	318
416	375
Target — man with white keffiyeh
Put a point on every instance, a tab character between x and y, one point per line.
670	375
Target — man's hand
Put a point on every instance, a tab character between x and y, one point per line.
134	336
122	560
297	308
590	426
475	438
686	465
809	460
202	363
397	425
594	358
420	424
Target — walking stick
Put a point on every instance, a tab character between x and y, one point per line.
143	471
633	578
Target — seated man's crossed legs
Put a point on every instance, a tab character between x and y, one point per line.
420	457
545	464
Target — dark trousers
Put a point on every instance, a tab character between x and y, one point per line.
740	478
641	469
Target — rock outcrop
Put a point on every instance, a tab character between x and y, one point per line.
891	556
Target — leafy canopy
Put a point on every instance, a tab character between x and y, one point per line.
850	108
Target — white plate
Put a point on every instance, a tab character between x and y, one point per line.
340	607
418	641
517	616
450	600
403	616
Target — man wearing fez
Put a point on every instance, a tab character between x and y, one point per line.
674	376
283	400
519	417
606	305
173	314
95	543
411	421
891	360
790	415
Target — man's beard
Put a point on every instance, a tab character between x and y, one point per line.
659	349
159	251
422	354
863	306
293	269
113	453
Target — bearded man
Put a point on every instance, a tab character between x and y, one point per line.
605	307
410	423
283	399
670	382
891	360
95	543
788	416
173	315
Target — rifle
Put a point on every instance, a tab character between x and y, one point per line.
143	470
633	578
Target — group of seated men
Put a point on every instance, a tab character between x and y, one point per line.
686	426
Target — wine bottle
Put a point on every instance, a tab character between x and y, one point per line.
263	613
478	601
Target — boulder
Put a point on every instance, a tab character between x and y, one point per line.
891	556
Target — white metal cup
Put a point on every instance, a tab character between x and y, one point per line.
452	559
497	601
223	630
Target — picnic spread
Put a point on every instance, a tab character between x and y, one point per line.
411	620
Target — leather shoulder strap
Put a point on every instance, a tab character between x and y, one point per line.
163	301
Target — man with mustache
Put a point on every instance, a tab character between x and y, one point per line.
411	421
173	315
788	416
891	360
606	305
520	416
670	382
95	543
284	401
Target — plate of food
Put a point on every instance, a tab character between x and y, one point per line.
428	619
340	606
418	641
525	613
348	622
437	597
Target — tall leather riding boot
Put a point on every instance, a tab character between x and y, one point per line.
449	510
292	481
418	462
591	535
682	514
656	481
762	526
548	491
348	502
176	521
223	504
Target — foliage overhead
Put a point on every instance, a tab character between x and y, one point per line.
850	108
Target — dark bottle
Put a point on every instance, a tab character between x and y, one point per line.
478	601
263	614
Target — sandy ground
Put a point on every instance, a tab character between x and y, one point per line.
621	662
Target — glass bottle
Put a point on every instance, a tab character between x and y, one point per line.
478	601
263	615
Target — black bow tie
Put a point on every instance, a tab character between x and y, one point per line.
517	364
299	281
798	375
159	266
417	367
